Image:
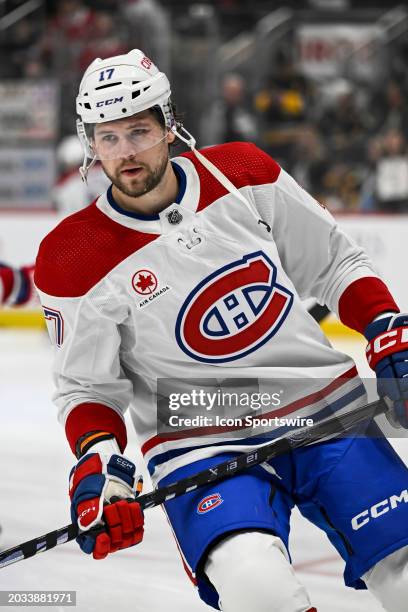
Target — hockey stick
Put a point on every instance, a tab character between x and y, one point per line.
226	469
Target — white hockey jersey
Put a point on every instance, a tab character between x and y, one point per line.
210	288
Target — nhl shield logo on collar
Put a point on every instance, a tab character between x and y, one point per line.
174	217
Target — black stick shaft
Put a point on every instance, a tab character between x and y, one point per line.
226	469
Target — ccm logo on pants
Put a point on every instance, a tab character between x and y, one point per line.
379	509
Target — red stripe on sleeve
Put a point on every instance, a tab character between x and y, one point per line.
363	300
91	417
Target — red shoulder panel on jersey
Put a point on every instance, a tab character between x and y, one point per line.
363	300
241	162
81	250
91	417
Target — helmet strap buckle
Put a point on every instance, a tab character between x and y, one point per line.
188	139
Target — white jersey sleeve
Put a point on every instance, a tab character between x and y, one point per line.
318	257
86	343
86	354
86	328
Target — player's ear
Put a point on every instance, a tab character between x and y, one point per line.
171	137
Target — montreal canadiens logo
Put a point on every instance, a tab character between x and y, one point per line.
144	282
209	503
234	311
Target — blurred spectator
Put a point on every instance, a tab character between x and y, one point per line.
309	163
105	41
62	40
22	36
341	187
373	154
34	69
284	97
391	185
71	193
390	108
344	125
229	119
68	30
283	104
73	20
149	28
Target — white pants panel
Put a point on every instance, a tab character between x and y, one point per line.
251	571
388	581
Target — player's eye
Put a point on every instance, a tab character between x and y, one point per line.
139	132
109	138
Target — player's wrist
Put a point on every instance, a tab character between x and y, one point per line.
387	355
102	442
383	315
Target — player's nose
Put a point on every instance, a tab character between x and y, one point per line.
127	149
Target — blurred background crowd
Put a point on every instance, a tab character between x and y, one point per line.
321	85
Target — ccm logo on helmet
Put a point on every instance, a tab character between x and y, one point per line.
379	509
109	101
209	503
234	311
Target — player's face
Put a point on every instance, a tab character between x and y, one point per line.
134	152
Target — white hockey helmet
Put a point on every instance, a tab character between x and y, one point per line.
119	87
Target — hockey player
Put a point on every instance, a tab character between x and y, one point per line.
16	284
195	268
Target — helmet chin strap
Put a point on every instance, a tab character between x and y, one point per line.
88	153
84	169
190	140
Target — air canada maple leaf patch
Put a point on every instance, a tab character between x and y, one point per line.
144	282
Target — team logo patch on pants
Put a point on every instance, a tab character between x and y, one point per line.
209	503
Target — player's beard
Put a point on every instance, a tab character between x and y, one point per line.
136	188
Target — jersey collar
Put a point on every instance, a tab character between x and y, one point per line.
186	198
182	181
